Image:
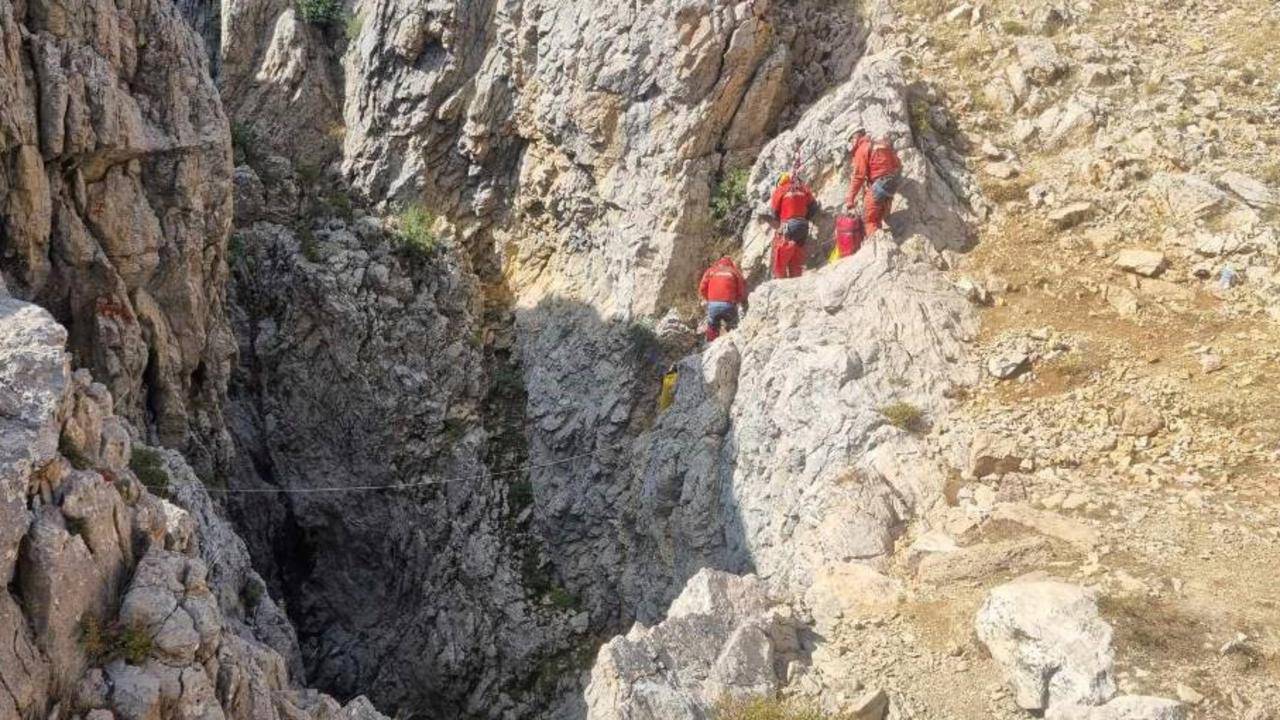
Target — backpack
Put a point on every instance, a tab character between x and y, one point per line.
796	230
849	235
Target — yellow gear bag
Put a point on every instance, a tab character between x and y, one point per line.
668	394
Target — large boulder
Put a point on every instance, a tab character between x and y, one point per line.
723	637
1050	642
34	377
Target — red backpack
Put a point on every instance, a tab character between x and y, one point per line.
849	235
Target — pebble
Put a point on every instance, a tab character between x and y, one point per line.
1188	694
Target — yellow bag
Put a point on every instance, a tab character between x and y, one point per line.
668	394
834	256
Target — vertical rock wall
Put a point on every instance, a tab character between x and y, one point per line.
116	603
116	203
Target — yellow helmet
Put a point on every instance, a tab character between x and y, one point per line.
784	178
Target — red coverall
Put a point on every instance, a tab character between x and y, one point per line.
724	288
872	161
790	200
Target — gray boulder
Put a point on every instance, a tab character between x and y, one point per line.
1050	642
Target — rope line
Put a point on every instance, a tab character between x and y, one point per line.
408	485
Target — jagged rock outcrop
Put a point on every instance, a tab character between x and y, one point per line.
107	608
874	97
723	638
117	203
755	481
274	70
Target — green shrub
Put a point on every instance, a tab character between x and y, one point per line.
766	709
103	644
1075	365
414	234
561	598
339	203
252	592
245	143
903	415
644	343
309	244
319	12
1013	27
519	496
235	247
149	467
353	25
729	204
134	645
308	175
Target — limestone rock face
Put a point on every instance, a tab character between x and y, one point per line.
116	203
873	97
765	487
1050	642
273	73
107	608
363	369
723	637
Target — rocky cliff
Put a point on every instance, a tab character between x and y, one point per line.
117	205
568	159
412	341
120	603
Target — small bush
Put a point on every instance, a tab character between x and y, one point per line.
414	234
93	638
1006	191
353	25
645	345
519	496
1013	27
235	247
103	644
903	415
245	143
252	592
1074	365
134	645
319	12
308	175
309	244
766	709
918	111
561	598
729	204
1270	173
149	467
